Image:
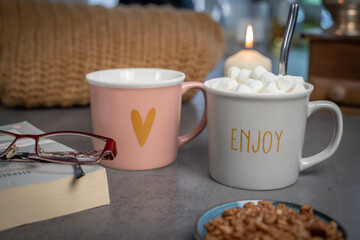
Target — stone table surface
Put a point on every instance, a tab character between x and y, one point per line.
165	203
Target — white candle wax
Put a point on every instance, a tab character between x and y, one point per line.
249	59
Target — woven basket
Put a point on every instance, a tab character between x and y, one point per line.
47	48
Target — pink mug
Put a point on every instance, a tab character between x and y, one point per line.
140	108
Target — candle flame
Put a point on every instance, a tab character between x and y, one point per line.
249	40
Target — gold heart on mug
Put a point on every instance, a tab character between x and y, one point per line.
141	129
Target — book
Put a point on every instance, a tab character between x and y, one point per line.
32	192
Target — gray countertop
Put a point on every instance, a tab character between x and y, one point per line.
165	203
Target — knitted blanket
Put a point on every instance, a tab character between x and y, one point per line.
47	48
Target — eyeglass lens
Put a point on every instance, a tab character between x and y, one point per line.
69	146
5	141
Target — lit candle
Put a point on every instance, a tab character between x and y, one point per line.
248	58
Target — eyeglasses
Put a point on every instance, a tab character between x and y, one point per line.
67	147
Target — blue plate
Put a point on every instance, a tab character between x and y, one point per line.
216	211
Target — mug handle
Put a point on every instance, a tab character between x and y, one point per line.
186	86
335	141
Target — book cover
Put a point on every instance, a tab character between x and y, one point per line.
31	192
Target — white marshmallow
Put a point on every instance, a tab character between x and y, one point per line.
267	77
257	72
214	84
277	78
244	75
286	83
255	85
258	81
241	88
233	72
248	80
299	88
298	79
227	84
269	87
229	71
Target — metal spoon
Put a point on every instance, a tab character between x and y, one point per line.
288	34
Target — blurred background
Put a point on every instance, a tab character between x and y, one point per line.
325	47
268	18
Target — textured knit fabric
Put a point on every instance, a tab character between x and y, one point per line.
47	48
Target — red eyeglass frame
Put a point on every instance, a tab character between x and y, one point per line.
109	152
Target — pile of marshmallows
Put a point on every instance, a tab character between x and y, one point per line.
259	80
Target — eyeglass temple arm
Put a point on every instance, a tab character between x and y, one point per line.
21	155
79	172
110	150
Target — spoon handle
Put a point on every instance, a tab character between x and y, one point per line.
288	34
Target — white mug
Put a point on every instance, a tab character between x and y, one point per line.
256	140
